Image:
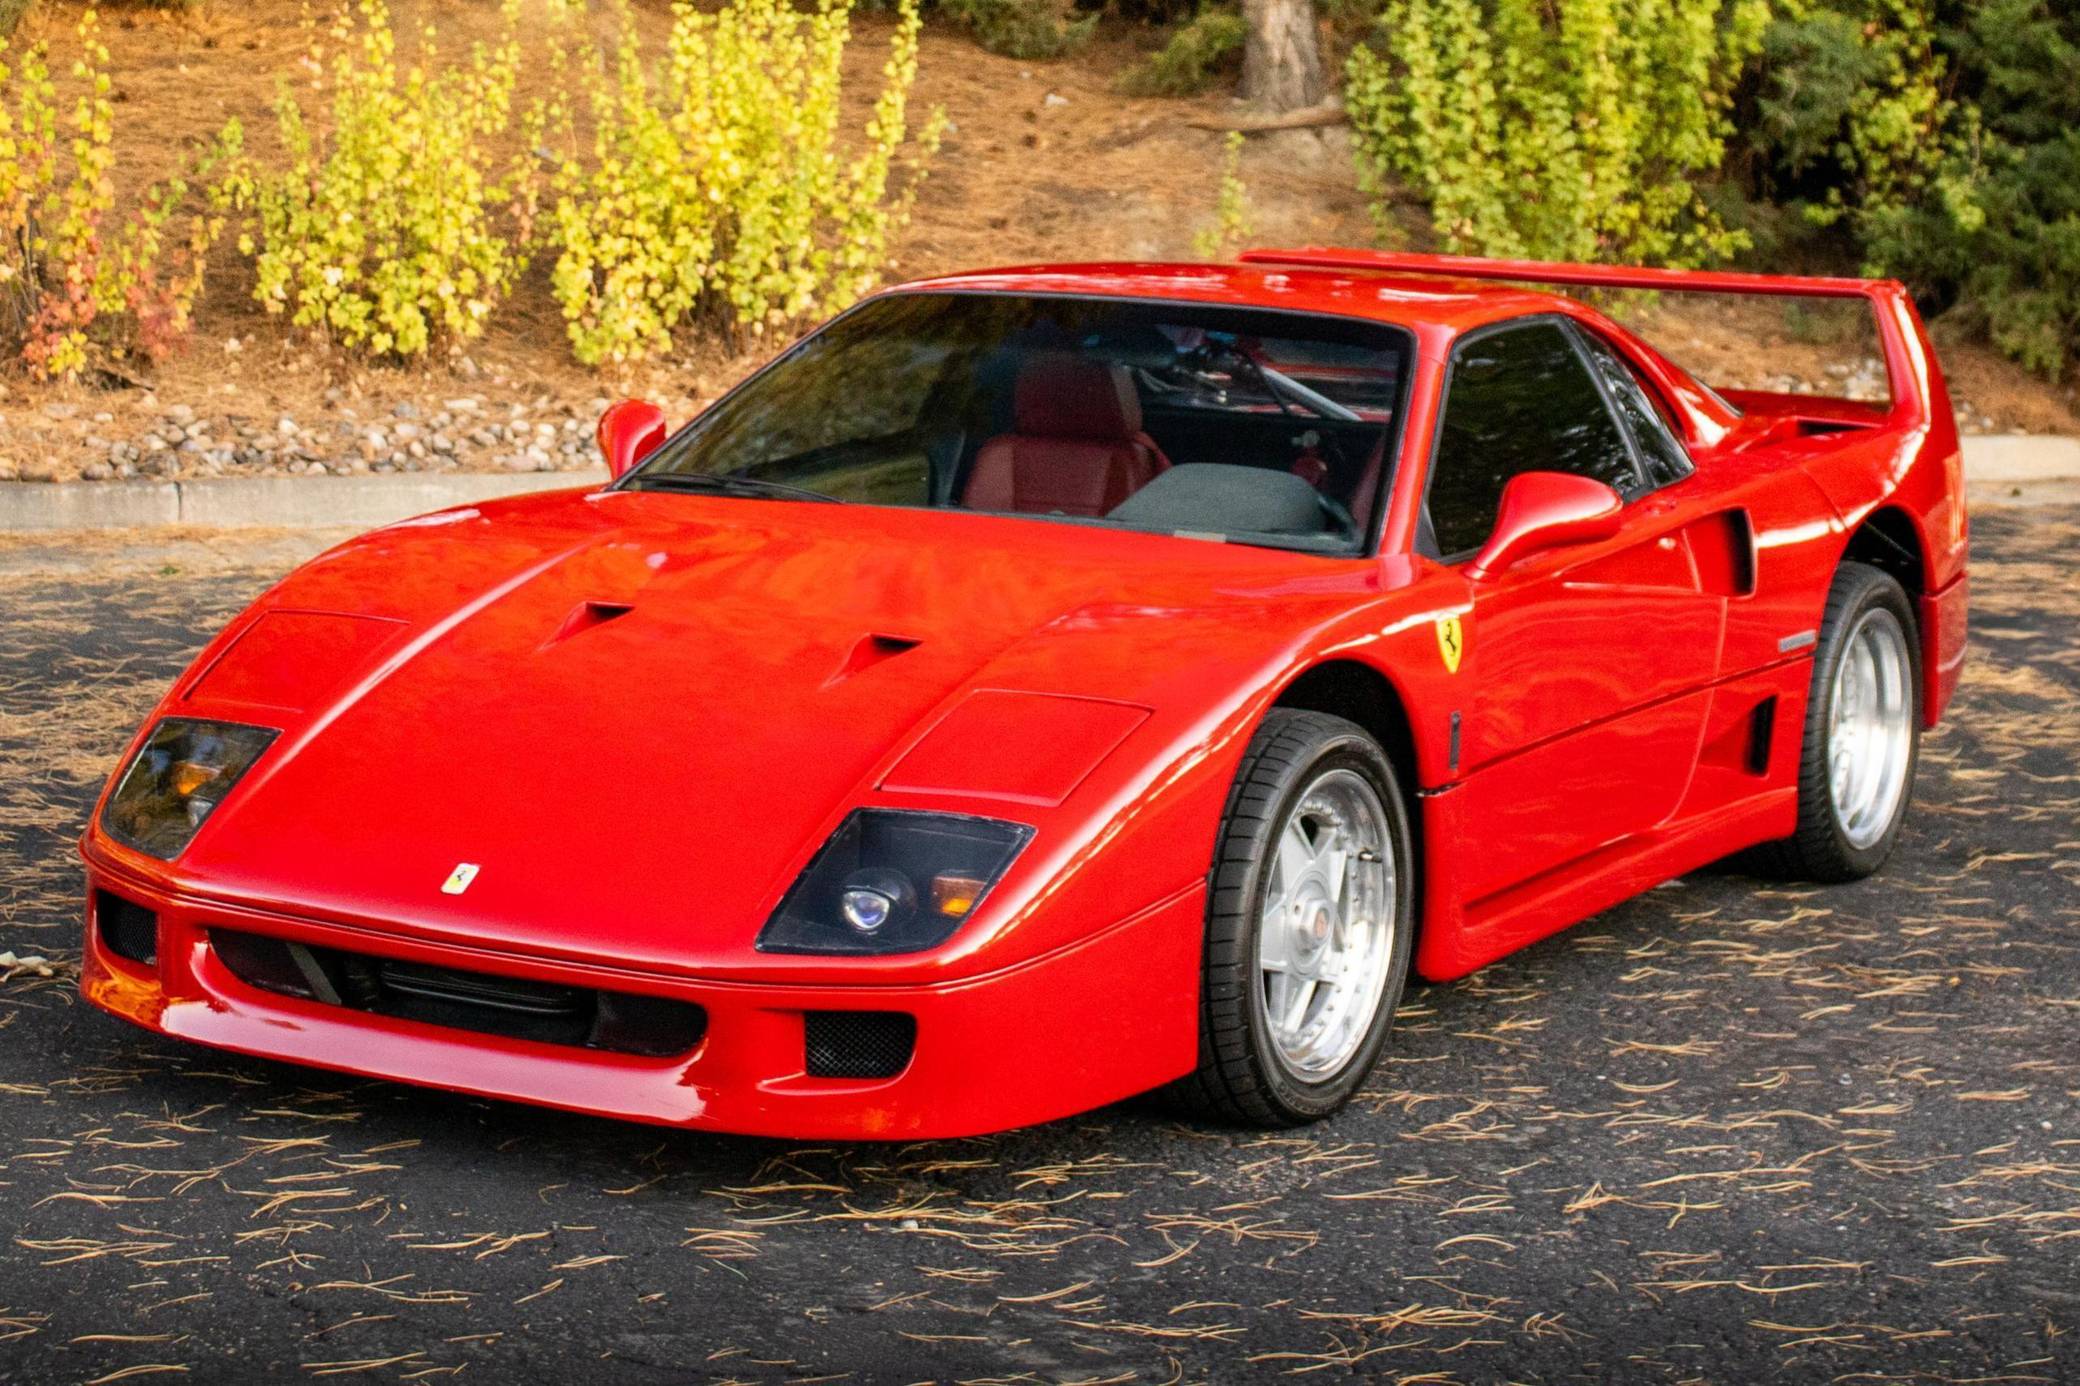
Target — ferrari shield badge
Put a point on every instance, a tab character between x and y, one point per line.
1451	643
459	879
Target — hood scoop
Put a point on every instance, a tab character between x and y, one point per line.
872	649
586	616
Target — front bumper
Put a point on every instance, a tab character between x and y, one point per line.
1113	1015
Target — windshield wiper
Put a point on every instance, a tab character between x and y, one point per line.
727	485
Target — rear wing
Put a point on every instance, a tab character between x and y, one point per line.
1916	389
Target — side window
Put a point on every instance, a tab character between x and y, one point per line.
1519	400
1663	456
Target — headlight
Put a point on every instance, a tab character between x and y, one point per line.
178	777
893	881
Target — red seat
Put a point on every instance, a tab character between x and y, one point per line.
1076	447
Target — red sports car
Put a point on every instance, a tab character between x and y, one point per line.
1042	686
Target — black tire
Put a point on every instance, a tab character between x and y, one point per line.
1239	1078
1821	850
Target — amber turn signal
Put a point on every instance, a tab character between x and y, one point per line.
954	896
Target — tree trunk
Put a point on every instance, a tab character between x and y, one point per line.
1282	58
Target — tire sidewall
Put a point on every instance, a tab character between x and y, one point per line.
1301	1099
1874	590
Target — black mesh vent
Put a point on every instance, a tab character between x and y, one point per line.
128	929
483	1002
859	1044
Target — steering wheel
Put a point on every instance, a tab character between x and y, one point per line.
1339	515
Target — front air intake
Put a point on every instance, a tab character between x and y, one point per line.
858	1044
484	1002
127	929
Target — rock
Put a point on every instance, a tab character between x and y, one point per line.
152	442
181	414
10	470
405	409
104	417
286	426
43	469
441	442
96	471
464	404
57	410
1054	98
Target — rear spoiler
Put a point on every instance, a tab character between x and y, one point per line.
1909	363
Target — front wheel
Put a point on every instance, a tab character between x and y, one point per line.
1862	732
1309	925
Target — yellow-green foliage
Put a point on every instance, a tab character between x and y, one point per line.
388	231
1560	129
1231	224
1897	121
719	187
71	284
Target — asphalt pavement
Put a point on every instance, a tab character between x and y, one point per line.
1729	1132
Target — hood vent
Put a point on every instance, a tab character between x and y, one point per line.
871	650
584	617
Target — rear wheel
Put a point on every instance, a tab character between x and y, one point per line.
1862	733
1309	925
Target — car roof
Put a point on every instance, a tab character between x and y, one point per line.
1422	303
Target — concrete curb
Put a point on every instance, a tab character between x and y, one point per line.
1990	462
289	502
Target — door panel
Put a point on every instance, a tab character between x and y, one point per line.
1580	735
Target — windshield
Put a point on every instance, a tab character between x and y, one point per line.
1269	428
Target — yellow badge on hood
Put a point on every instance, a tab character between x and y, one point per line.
1451	643
459	879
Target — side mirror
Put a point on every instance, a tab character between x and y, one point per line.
629	432
1546	510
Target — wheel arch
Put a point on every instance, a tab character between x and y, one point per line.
1889	539
1360	693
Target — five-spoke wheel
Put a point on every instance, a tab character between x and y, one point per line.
1862	732
1308	924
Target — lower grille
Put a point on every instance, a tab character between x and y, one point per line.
482	1002
858	1044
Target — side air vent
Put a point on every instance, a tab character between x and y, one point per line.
858	1044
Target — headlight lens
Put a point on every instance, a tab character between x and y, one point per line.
893	881
177	779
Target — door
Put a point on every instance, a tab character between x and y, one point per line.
1589	665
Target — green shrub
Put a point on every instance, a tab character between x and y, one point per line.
77	287
1207	46
1036	29
719	188
1562	129
1990	224
1021	28
386	231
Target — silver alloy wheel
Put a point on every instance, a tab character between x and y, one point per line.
1870	734
1327	929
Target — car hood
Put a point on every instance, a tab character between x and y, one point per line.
638	714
